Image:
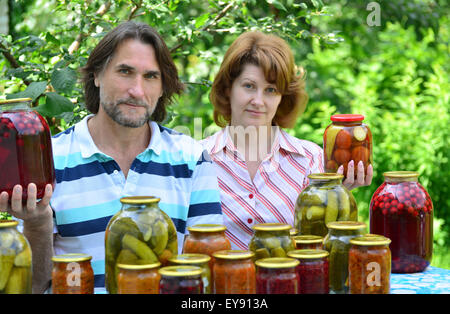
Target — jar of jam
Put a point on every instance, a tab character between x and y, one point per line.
234	272
271	240
347	138
140	233
138	279
194	259
25	148
324	200
15	260
313	270
277	275
181	279
369	265
72	274
308	241
337	243
402	211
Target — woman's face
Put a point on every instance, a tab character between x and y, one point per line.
254	101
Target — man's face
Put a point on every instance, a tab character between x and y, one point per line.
131	84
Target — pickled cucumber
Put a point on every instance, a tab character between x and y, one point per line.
338	266
271	243
126	225
6	265
261	253
277	252
344	205
315	213
160	237
331	138
23	258
331	213
19	281
139	248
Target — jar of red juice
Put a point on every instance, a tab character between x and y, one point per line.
277	275
402	211
25	148
313	270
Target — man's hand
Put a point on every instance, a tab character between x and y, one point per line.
361	179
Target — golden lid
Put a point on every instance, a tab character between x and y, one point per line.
190	258
308	254
207	228
346	225
71	257
308	239
233	254
139	267
180	271
401	174
139	200
8	223
293	232
271	226
277	262
11	101
370	240
325	176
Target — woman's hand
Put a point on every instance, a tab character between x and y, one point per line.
361	180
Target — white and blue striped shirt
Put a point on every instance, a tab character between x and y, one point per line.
89	185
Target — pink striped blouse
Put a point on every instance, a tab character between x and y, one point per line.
272	194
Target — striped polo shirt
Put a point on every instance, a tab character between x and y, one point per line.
272	194
89	185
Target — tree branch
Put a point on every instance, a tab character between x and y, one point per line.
12	60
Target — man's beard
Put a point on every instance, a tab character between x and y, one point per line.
114	112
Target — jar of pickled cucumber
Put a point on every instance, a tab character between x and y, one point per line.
140	233
234	272
138	279
337	243
25	148
324	200
308	241
194	259
271	240
347	138
369	265
181	279
277	275
72	274
15	260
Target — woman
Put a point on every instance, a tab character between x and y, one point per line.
261	169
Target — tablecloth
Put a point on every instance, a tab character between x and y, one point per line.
431	281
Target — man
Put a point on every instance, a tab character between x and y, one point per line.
119	150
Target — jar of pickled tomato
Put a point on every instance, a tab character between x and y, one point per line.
277	275
72	274
138	279
181	279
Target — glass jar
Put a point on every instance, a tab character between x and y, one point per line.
337	243
306	241
277	275
194	259
234	272
72	274
324	200
369	265
25	148
15	260
140	233
138	279
402	211
313	270
347	138
271	240
181	279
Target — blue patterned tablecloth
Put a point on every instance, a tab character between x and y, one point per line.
432	281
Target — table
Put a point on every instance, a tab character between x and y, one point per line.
432	281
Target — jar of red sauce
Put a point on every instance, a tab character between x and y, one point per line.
401	210
277	275
313	270
369	265
72	274
195	259
308	241
138	279
25	148
234	272
181	279
347	138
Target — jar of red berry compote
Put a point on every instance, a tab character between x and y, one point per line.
25	148
402	211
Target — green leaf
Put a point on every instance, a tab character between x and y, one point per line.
63	80
33	91
277	4
55	105
201	20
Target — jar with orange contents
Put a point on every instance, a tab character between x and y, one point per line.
72	274
234	272
308	241
138	279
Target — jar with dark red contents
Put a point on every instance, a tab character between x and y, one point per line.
308	241
402	211
313	270
277	275
369	265
347	138
181	279
138	279
25	148
195	259
72	274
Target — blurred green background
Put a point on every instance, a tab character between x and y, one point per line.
387	60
